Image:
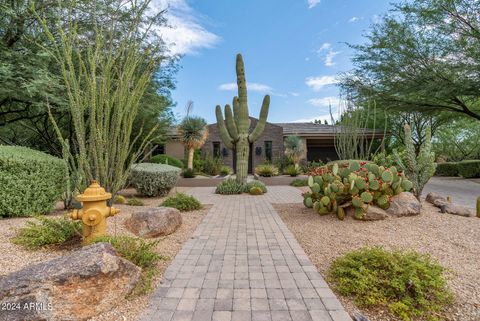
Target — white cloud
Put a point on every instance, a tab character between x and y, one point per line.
294	94
355	19
317	83
312	3
185	33
330	101
253	86
327	53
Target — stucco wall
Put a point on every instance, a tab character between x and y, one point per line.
175	149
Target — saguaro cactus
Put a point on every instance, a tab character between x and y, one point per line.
234	130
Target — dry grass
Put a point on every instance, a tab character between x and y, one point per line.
14	258
451	240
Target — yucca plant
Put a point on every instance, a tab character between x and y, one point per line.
294	149
193	133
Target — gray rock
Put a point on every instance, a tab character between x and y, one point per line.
154	222
456	210
404	204
374	213
76	286
433	197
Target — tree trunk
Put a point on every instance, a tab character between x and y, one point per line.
242	149
191	151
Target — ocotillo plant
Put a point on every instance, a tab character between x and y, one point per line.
235	129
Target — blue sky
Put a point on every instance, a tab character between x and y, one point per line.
292	49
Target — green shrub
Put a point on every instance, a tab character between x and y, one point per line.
166	159
119	199
447	169
410	284
299	182
256	191
182	202
292	171
266	170
47	231
254	183
310	166
469	168
134	202
154	179
188	173
140	252
225	170
30	181
229	186
212	165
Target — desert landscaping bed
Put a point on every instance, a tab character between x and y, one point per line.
14	257
447	238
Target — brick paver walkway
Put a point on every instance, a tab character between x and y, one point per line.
243	264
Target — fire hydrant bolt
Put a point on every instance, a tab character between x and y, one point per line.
94	212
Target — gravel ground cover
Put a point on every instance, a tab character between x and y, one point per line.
450	239
14	258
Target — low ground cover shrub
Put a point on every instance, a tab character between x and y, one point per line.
410	284
212	165
166	159
292	171
188	173
447	169
256	191
247	188
140	252
307	166
120	199
266	170
31	181
299	182
225	170
182	202
133	201
45	231
469	168
228	187
154	179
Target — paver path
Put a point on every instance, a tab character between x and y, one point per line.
243	264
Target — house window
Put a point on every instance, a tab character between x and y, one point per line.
159	149
216	149
268	150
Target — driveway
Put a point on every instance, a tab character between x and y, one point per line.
463	191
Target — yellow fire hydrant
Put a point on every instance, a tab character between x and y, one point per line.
94	212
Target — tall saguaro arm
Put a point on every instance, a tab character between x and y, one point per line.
226	138
262	120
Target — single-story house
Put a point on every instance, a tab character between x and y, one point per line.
319	140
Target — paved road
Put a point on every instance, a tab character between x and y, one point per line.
463	191
243	264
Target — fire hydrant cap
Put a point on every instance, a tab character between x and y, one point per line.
94	193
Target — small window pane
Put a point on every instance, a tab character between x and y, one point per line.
268	150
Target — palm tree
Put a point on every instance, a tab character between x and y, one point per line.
294	149
193	133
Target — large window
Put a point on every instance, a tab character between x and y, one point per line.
268	150
216	149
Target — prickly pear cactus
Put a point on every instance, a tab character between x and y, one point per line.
234	130
359	183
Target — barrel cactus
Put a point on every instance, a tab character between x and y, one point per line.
361	184
234	130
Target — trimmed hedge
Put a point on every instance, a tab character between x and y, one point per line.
469	168
154	179
447	169
30	181
166	159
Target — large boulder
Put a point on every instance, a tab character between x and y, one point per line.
154	222
404	204
76	286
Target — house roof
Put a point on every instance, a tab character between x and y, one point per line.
312	129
